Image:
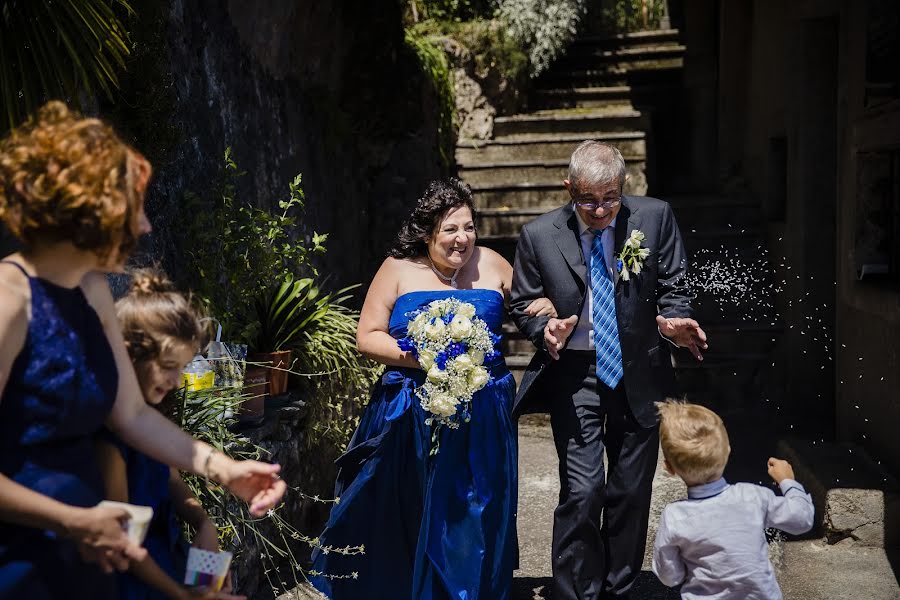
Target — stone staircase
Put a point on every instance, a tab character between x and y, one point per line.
605	88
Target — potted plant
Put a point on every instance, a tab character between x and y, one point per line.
236	251
282	316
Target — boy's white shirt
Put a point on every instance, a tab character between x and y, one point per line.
714	542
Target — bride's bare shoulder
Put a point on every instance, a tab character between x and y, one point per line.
492	259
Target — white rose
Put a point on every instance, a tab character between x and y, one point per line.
478	378
466	310
435	330
426	359
463	362
477	357
460	327
443	405
436	375
436	310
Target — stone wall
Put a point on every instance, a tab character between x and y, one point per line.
294	86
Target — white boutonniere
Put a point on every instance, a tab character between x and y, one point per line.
631	258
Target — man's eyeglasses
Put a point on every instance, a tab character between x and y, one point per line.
592	205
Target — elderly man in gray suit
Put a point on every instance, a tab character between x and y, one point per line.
614	266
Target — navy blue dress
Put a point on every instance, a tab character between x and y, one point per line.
148	485
434	527
61	388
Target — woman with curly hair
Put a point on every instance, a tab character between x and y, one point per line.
72	193
440	526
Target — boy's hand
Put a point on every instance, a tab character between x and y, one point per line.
779	470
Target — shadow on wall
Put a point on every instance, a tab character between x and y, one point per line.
328	90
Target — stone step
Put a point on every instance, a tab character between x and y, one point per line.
582	97
544	147
530	171
857	501
655	37
623	60
571	121
642	83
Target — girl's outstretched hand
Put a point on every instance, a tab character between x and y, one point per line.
257	483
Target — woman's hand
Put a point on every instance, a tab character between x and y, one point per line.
207	536
101	538
542	307
257	483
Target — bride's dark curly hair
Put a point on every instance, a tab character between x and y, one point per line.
440	196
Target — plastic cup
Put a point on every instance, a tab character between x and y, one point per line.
136	527
205	568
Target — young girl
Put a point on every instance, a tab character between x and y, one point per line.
162	333
72	192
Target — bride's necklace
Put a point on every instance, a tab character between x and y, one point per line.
451	280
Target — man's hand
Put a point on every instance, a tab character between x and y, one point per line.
779	470
685	333
556	332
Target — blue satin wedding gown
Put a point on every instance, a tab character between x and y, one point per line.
434	527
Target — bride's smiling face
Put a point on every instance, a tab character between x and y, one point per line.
452	243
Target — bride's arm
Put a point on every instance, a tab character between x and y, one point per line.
372	336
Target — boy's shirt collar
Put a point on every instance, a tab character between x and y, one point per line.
707	490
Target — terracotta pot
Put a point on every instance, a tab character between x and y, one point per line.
275	365
255	384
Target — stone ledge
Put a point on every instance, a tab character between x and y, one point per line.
857	501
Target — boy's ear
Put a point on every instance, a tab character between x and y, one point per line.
668	467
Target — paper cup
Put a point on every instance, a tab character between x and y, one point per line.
207	568
136	527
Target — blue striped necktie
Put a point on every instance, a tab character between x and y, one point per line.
603	314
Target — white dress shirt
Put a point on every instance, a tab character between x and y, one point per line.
582	337
715	542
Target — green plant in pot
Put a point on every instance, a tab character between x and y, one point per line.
283	314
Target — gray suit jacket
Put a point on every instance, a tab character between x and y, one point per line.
549	262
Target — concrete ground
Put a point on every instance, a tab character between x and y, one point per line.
807	570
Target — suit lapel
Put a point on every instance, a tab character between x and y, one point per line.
625	223
568	240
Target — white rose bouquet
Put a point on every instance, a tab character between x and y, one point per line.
452	345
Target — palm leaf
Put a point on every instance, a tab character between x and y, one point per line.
57	49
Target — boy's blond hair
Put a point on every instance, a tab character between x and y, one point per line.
694	441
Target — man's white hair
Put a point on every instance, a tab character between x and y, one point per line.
596	163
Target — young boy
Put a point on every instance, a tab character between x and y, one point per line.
714	542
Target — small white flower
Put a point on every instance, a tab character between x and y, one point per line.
463	362
478	378
436	329
460	327
436	375
476	356
466	310
426	359
625	274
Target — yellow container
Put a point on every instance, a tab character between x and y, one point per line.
198	381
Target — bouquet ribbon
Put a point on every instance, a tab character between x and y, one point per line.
403	400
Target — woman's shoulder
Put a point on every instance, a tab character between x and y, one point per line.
492	259
15	296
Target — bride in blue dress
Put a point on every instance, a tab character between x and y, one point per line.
440	526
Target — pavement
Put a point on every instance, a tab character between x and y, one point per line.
807	569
